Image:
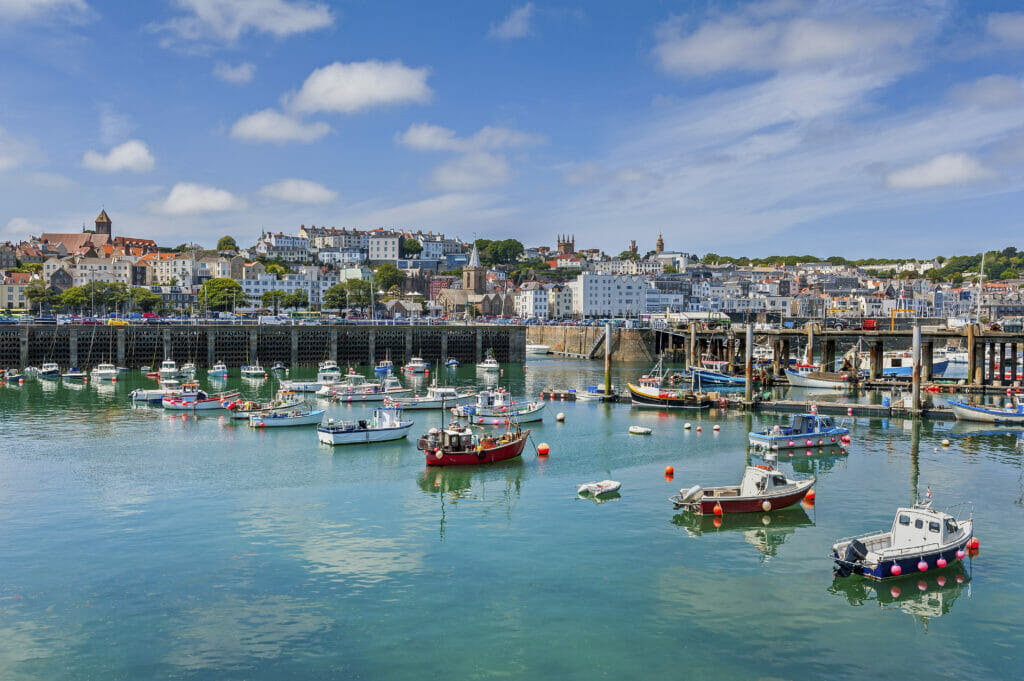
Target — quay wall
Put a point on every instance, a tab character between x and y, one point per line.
628	345
235	345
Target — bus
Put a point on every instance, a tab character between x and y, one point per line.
305	315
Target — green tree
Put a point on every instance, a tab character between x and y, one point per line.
39	294
411	247
295	300
386	276
73	298
277	270
359	293
145	300
227	243
273	299
334	297
220	293
629	255
670	269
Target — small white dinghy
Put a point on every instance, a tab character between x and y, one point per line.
639	430
597	489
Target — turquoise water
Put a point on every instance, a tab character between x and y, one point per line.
136	544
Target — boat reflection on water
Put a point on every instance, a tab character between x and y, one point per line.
926	595
814	461
766	532
495	485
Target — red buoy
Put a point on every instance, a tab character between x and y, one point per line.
543	449
718	509
941	562
973	543
922	566
669	470
896	570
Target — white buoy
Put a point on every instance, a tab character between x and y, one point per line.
945	443
559	416
717	427
687	426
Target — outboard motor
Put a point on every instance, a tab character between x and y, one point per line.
855	553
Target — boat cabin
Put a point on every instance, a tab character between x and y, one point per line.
392	383
761	480
922	525
805	424
445	392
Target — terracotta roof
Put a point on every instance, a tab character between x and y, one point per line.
74	242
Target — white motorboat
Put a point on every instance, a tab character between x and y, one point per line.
156	395
919	539
1011	414
253	371
416	365
386	424
168	369
74	374
596	489
219	370
437	397
188	369
285	401
489	364
295	417
537	349
639	430
391	387
49	370
104	372
324	379
818	379
496	407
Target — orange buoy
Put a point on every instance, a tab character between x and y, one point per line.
810	495
669	470
973	544
718	509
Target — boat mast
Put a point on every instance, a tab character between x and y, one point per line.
981	290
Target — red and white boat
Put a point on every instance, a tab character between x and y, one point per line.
764	488
198	400
457	445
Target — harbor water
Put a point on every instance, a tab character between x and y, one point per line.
143	544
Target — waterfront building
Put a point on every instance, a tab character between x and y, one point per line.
608	295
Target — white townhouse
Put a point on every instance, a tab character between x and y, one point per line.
608	295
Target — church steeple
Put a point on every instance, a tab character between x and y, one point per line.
103	223
474	258
659	247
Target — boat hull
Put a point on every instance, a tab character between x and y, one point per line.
662	400
503	452
342	396
707	377
333	436
970	412
882	570
528	415
191	404
824	438
273	421
755	504
801	381
423	403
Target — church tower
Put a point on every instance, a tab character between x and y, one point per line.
103	223
566	244
473	277
659	247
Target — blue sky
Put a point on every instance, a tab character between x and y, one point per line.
855	128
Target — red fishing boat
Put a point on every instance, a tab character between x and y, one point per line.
764	488
457	445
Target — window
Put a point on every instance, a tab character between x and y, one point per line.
919	524
933	527
951	526
904	520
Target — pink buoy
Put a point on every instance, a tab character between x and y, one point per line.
821	442
896	570
833	440
922	566
959	579
791	443
941	562
810	443
895	592
922	585
941	580
960	553
849	411
809	453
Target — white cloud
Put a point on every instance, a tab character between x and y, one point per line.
990	92
941	171
299	191
133	155
236	75
187	198
515	25
475	170
272	126
21	228
228	20
347	88
448	211
15	152
748	43
427	137
1007	27
15	10
50	180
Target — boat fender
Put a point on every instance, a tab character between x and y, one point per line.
691	494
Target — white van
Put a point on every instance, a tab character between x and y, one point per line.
270	319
